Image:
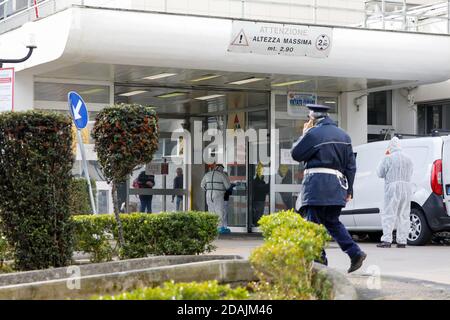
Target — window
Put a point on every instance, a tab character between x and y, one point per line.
44	91
379	108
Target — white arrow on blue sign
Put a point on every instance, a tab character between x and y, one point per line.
78	110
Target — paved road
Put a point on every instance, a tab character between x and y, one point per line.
431	263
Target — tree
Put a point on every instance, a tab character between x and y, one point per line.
126	136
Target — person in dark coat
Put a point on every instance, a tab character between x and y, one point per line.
328	178
260	191
146	181
178	184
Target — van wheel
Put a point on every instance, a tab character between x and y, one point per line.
419	232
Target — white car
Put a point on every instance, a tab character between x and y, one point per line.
430	207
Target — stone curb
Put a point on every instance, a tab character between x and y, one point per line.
72	288
343	289
103	268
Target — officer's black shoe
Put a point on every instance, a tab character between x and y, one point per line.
402	246
323	261
357	262
384	245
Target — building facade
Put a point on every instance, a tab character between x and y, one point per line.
209	66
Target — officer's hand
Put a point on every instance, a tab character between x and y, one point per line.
308	125
349	198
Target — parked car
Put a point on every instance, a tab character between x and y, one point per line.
430	207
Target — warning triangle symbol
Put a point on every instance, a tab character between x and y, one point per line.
240	40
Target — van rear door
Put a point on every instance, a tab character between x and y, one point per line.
446	172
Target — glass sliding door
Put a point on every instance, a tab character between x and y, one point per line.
250	198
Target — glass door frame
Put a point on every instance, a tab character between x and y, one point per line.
247	228
275	144
275	152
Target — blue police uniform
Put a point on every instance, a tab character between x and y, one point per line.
328	180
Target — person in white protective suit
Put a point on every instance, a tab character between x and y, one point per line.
396	169
216	183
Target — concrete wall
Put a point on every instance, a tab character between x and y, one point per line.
405	110
404	118
24	91
433	92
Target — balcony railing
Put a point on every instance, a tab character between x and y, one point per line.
372	14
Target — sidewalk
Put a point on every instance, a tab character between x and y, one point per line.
398	288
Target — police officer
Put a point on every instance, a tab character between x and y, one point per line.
216	183
328	178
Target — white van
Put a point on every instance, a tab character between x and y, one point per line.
430	207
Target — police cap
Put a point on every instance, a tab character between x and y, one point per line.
318	108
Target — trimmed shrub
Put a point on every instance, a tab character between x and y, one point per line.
94	234
35	173
183	233
209	290
80	203
284	263
126	136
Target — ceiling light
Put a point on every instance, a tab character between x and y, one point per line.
171	95
160	76
289	83
92	91
132	93
206	77
213	96
330	102
245	81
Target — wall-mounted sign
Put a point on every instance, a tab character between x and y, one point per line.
280	39
286	157
157	169
6	89
297	103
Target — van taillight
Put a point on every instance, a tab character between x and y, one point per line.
436	178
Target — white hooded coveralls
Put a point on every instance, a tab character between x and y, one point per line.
396	169
215	183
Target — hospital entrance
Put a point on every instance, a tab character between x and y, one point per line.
266	178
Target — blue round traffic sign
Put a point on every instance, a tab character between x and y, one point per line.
78	110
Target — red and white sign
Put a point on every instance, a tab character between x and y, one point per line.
6	89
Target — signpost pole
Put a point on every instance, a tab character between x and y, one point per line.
80	117
86	171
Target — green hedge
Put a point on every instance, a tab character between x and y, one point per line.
80	203
35	172
284	263
175	233
209	290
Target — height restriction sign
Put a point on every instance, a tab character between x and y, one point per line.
6	89
280	39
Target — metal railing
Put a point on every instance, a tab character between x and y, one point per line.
398	15
372	14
